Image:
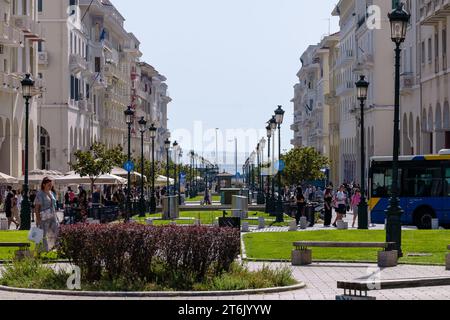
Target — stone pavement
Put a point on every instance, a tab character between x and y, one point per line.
321	284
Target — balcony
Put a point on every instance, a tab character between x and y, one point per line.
344	88
32	30
77	63
10	36
434	11
43	58
407	82
345	58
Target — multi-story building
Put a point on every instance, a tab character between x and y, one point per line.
425	100
331	45
92	65
374	58
345	90
307	123
365	48
19	34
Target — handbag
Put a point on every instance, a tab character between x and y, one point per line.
36	235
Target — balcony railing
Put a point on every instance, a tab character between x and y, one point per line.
43	58
31	29
10	36
77	63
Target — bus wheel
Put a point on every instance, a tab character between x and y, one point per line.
423	219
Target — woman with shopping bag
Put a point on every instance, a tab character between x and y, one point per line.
46	219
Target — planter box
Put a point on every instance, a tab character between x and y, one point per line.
388	259
301	257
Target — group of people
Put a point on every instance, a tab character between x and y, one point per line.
343	201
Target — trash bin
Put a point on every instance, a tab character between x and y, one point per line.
310	213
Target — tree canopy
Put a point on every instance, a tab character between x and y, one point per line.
303	164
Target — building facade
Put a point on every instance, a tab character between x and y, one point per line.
92	65
20	33
425	79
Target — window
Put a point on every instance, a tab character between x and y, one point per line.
423	52
423	182
40	5
430	51
447	182
97	64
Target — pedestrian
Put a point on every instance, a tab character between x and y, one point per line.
46	218
9	201
16	208
341	204
328	206
301	204
207	198
356	200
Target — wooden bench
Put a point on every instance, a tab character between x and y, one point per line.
24	248
358	289
387	258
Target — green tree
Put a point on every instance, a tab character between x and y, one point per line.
303	164
98	161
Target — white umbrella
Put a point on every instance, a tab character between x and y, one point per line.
162	181
124	173
4	179
106	179
36	176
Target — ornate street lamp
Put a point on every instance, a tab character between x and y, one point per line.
279	118
167	147
268	197
25	212
180	157
362	88
399	20
153	130
143	130
175	160
129	119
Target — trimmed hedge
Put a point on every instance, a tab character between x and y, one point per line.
137	252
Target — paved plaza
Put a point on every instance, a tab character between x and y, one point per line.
321	284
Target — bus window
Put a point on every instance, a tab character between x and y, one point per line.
381	182
423	182
447	182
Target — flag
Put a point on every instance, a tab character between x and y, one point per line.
103	35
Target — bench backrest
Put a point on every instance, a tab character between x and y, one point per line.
324	244
370	285
14	244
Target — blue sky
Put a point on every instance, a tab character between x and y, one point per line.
229	63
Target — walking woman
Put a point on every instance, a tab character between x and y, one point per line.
341	203
328	203
301	204
356	200
45	209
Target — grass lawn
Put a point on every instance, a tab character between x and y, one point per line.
208	217
12	236
200	198
279	245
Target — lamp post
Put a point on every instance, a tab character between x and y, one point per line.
362	87
279	117
273	126
153	131
167	147
175	158
399	20
129	118
261	196
268	200
180	157
25	212
143	130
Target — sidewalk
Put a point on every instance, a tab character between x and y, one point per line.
321	284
